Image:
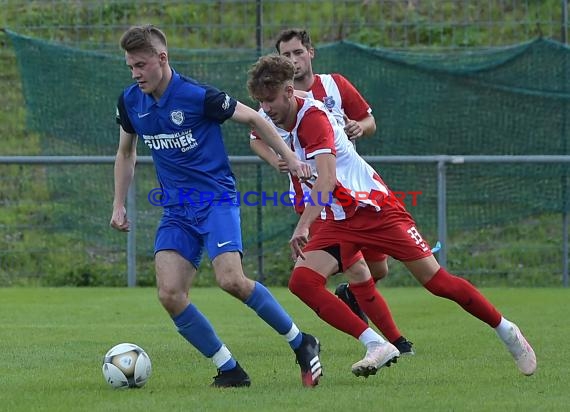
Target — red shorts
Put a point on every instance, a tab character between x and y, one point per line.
390	231
370	255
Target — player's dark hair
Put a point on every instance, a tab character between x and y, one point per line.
289	34
268	75
143	38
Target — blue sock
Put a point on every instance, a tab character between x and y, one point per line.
268	309
296	342
197	330
228	365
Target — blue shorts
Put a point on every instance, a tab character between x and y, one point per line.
188	230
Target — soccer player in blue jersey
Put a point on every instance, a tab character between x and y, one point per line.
179	120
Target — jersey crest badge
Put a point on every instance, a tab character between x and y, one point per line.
329	102
177	117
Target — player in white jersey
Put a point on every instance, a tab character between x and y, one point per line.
362	213
343	100
337	93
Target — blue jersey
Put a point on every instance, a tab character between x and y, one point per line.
183	131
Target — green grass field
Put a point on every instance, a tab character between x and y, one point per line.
52	342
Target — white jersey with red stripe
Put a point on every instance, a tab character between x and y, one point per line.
316	131
339	96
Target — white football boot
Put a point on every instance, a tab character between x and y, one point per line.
521	350
377	356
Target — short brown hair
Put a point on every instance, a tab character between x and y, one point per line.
289	34
143	38
269	74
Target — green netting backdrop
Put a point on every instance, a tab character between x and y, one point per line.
508	101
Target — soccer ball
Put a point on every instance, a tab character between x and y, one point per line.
126	365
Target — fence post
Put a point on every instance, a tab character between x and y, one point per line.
564	38
259	210
564	29
565	247
259	26
442	212
259	48
132	236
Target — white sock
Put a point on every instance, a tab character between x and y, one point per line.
292	334
221	356
370	336
504	329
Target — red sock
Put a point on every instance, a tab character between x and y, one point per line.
376	308
465	294
310	287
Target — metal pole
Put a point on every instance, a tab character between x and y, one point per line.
260	260
565	245
564	37
442	212
259	26
132	236
259	48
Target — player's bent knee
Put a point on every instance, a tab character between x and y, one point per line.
172	301
299	283
379	275
229	284
295	282
304	281
379	270
237	285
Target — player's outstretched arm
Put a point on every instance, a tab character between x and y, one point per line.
246	115
321	191
261	149
125	161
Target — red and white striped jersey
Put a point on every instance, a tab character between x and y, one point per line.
317	131
339	97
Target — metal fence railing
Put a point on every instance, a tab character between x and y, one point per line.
255	23
441	163
247	25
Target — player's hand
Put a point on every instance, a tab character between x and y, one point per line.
297	243
281	166
119	219
300	169
352	128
